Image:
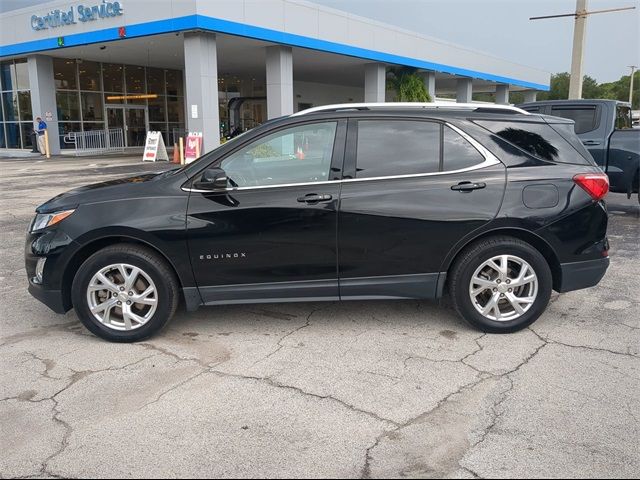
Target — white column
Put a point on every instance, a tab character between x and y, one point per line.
502	94
375	82
430	83
279	64
530	96
43	96
201	88
464	90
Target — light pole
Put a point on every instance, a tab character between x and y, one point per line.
633	71
577	54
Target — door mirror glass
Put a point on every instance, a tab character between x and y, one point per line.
212	179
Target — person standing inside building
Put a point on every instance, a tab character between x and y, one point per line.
42	127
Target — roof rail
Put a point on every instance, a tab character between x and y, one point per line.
488	107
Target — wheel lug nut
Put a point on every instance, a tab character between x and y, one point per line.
130	293
498	281
129	303
502	294
122	289
511	289
119	303
508	281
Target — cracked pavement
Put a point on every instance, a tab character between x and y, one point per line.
358	389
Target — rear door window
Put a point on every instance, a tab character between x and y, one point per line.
538	139
458	152
397	147
585	118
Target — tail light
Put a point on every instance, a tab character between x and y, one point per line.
595	184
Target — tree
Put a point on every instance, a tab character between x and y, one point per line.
618	90
408	85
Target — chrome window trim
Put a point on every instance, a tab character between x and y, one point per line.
489	160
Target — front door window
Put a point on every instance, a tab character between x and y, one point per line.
295	155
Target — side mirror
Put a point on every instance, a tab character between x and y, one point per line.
212	179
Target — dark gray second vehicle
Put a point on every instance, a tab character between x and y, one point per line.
349	202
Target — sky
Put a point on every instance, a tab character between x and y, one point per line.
502	28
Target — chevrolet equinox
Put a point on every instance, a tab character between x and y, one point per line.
493	205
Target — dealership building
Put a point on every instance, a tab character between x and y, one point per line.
214	66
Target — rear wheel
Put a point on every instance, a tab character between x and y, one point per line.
501	284
125	293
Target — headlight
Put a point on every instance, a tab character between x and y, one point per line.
44	220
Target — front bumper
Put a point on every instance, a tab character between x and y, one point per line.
51	298
579	275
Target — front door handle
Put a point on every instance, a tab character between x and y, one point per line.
468	186
315	198
591	143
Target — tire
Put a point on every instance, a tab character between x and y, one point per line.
475	264
151	282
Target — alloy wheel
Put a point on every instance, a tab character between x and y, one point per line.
503	288
122	297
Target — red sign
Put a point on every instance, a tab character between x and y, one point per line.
193	148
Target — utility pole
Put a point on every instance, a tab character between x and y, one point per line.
577	54
633	71
579	30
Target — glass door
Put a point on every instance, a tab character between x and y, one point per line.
132	121
136	131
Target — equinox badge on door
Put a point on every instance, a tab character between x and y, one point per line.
223	256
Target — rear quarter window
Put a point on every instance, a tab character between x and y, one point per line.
540	140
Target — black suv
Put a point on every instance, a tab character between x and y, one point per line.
350	202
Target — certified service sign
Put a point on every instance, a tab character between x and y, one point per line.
82	13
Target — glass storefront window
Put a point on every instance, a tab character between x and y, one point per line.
112	76
68	106
10	105
91	106
155	81
134	79
174	83
157	109
175	109
88	126
7	74
65	128
13	134
24	105
3	144
64	73
27	129
89	73
22	74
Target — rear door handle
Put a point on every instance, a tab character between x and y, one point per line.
315	198
468	186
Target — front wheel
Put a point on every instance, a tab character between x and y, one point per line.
124	293
501	285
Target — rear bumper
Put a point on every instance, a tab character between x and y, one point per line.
579	275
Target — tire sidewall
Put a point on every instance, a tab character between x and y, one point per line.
102	259
534	259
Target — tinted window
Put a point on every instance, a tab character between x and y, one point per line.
585	118
397	147
538	139
531	109
294	155
458	152
623	117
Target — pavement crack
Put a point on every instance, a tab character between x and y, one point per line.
273	383
279	344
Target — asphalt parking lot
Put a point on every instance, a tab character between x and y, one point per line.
377	389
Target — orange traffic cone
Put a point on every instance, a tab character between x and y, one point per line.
176	154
